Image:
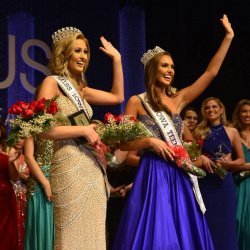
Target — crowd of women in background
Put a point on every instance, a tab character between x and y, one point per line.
166	208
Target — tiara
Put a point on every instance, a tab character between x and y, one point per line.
64	32
149	54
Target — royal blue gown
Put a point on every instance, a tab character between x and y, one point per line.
219	194
161	211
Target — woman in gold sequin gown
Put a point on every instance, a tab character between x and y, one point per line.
79	189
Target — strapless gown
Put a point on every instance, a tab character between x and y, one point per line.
161	211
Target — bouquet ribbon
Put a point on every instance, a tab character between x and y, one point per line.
101	150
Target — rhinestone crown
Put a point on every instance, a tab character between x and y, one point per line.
64	32
150	53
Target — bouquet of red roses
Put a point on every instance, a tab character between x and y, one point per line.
183	160
32	118
193	148
122	128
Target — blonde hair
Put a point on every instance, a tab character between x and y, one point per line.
150	81
202	130
61	53
236	122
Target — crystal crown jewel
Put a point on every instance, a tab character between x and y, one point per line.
64	32
150	53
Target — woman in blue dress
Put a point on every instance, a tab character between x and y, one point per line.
241	121
218	193
162	211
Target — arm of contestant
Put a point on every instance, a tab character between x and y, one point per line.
116	95
190	93
228	163
34	168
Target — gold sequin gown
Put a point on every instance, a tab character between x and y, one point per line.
79	192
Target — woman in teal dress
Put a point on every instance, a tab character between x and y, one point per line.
241	121
39	220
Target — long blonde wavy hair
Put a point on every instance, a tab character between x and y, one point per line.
150	81
236	122
61	53
202	130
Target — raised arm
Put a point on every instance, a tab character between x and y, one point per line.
116	95
34	168
190	93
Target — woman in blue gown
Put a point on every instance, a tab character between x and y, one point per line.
241	121
219	194
162	211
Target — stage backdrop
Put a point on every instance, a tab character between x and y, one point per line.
190	30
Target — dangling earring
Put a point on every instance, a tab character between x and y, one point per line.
221	117
66	73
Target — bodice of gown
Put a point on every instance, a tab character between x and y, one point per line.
67	108
246	153
152	126
4	171
217	143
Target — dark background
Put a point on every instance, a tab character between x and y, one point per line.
190	30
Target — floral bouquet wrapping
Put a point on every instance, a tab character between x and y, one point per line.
123	128
32	118
193	148
182	159
221	172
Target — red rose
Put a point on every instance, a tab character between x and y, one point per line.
22	105
52	108
207	155
119	118
200	142
40	106
27	113
32	105
132	119
108	117
14	110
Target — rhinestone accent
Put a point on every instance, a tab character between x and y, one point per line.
64	32
150	53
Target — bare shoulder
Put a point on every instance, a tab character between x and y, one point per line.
134	100
133	106
232	132
49	88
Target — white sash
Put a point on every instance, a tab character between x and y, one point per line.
70	90
169	133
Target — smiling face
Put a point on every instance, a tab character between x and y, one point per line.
78	58
244	115
192	118
213	111
165	72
